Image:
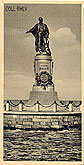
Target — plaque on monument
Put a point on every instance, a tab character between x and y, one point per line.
44	77
43	90
43	66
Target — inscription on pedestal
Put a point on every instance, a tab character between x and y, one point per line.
44	66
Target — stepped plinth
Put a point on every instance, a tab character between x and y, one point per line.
43	97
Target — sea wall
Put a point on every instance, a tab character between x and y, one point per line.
41	121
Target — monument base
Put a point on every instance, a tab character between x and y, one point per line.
43	90
45	97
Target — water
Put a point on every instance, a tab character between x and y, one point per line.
21	145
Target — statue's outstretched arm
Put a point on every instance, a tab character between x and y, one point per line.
27	32
32	30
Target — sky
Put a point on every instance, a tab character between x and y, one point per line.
64	23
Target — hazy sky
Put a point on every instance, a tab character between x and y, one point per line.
64	24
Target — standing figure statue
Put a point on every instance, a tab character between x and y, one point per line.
41	34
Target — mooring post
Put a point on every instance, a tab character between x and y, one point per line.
55	106
70	106
37	106
7	106
20	106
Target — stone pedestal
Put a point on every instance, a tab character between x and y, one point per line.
44	97
43	90
43	62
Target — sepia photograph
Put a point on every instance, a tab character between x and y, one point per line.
42	116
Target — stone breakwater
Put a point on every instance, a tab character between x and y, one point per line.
41	121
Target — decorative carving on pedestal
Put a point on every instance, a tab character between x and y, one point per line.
43	71
44	79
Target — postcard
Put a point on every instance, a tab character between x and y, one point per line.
42	82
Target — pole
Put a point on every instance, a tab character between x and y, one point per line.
70	107
37	106
55	106
7	106
20	106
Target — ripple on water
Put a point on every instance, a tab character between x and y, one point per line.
42	145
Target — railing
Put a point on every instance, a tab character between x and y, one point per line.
55	106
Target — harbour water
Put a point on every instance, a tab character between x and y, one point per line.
49	145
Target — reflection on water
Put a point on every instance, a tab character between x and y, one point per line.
21	145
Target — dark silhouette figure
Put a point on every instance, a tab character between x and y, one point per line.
41	34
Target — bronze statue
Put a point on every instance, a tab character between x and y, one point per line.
41	34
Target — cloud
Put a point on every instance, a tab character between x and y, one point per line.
64	37
66	54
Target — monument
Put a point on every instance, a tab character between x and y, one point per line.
43	89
